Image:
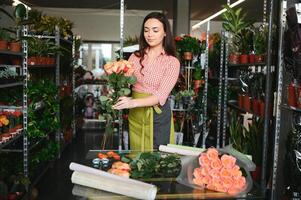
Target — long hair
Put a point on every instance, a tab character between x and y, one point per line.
168	41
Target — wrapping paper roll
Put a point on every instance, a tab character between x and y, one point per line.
101	180
180	151
186	147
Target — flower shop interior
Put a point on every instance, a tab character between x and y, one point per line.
235	105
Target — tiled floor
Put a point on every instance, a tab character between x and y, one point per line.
56	183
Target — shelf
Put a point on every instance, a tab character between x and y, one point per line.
41	66
41	36
35	144
233	104
10	107
12	139
285	106
11	53
179	110
11	85
247	64
10	66
66	41
229	78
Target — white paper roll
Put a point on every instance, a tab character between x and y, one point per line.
98	179
179	151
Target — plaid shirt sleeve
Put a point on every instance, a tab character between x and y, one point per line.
170	77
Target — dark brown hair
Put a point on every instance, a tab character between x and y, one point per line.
168	41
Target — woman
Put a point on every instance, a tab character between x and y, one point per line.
157	70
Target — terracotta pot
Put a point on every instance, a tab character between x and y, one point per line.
234	58
291	96
247	103
16	61
32	61
298	97
261	108
244	59
15	46
256	174
3	45
240	100
259	58
51	61
251	58
187	55
255	106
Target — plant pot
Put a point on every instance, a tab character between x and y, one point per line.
261	108
247	103
187	55
252	58
291	96
255	106
240	100
234	58
15	46
256	174
186	102
259	58
16	61
3	45
244	59
32	61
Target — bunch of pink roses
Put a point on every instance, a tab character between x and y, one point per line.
220	174
119	75
118	67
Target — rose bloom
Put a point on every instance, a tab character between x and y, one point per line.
228	161
203	160
212	153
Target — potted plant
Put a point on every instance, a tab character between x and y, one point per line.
4	38
246	40
234	22
187	46
186	97
198	77
260	43
254	138
237	136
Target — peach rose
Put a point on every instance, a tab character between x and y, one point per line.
212	153
205	171
225	173
233	191
216	164
198	182
227	182
108	68
203	160
236	172
197	173
214	173
129	72
228	161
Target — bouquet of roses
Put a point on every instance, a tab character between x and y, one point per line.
219	173
216	171
119	76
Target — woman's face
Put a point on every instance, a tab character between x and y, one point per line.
154	32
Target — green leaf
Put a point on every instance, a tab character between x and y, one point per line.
132	80
103	99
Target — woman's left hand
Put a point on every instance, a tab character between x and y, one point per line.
124	103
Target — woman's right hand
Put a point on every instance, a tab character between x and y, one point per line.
124	103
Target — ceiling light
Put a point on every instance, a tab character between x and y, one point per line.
16	2
196	26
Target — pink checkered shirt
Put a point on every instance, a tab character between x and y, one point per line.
158	76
